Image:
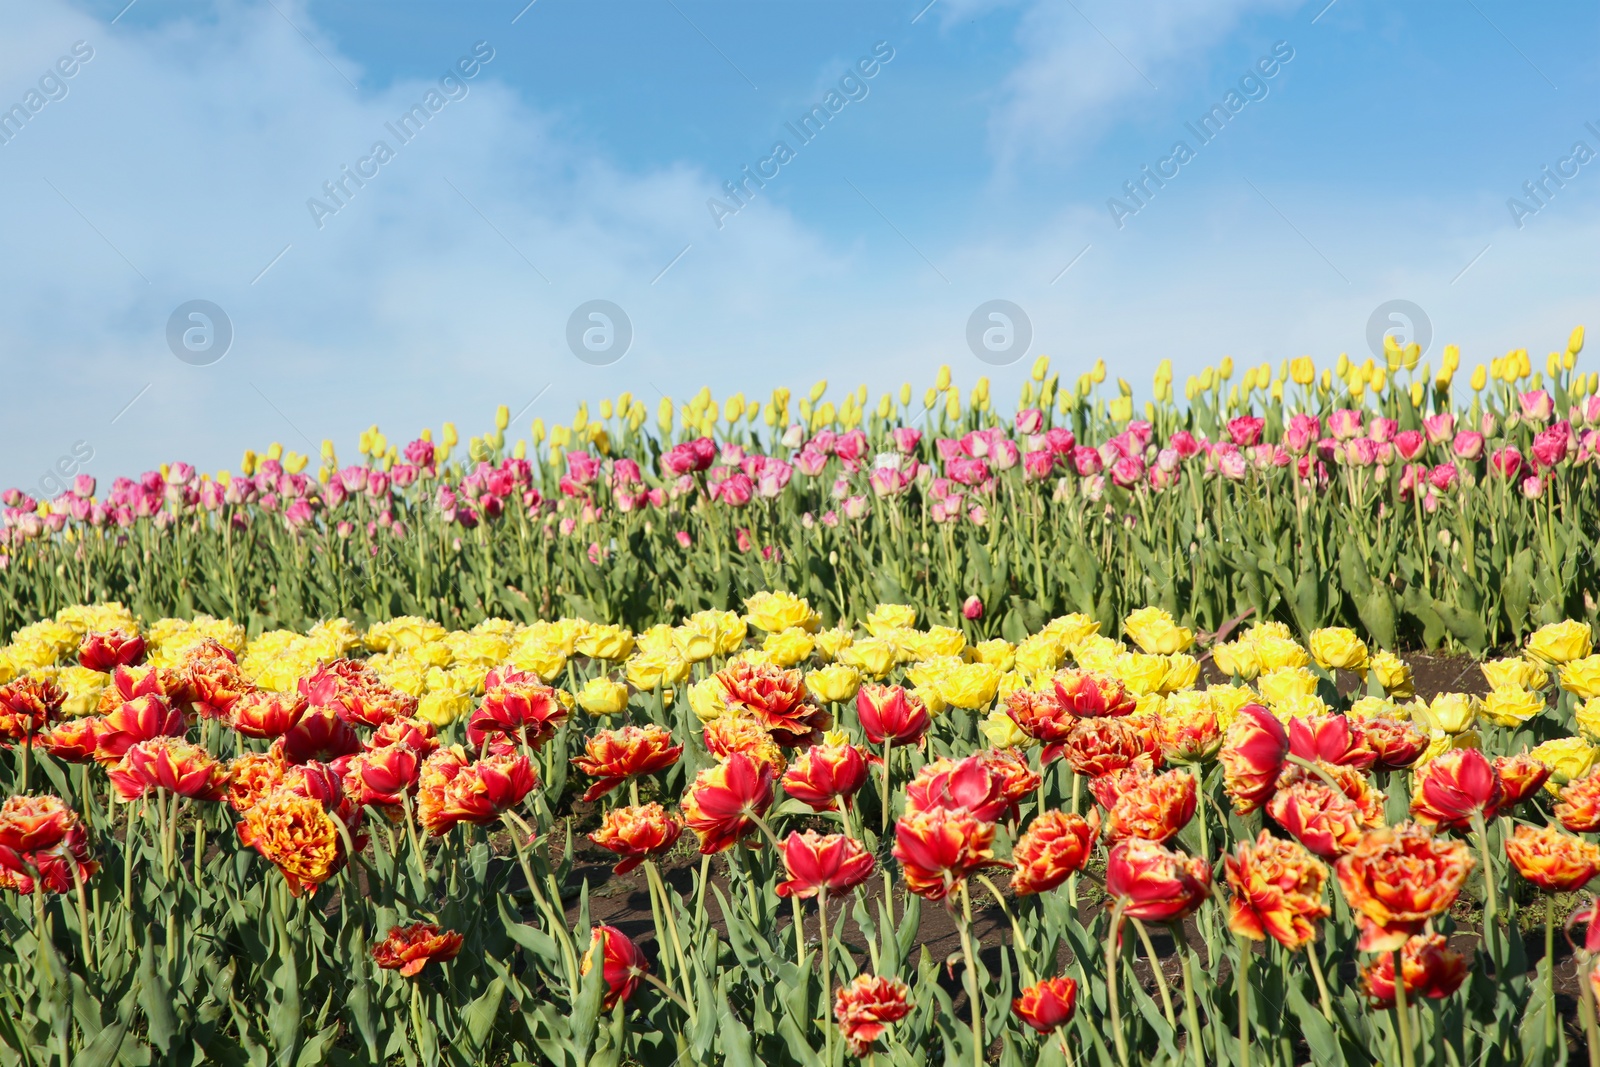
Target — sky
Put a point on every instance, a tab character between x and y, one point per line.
501	165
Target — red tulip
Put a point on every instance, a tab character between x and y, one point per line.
867	1007
824	773
1455	788
1151	882
636	834
938	848
1055	845
1331	739
1048	1005
614	756
1430	967
622	964
171	764
889	713
408	949
1252	757
819	863
724	801
106	650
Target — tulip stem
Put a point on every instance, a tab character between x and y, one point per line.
1243	977
1018	942
1550	972
1113	944
975	987
1314	768
700	890
1322	983
1155	966
827	974
1490	910
654	876
1191	1013
1586	1009
1402	1011
27	758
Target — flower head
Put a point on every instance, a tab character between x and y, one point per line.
724	801
296	834
1553	861
1252	757
889	714
27	706
454	790
171	764
636	834
1087	694
823	773
867	1006
939	847
1520	777
621	962
519	707
1048	1005
1429	968
408	949
1398	878
1454	789
106	650
1151	882
614	756
1055	845
44	845
822	863
1277	891
264	714
1578	804
1154	809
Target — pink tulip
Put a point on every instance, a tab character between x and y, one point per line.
1506	462
1532	487
810	462
735	490
972	609
1059	440
1361	452
1246	430
1550	446
1410	443
967	471
1383	430
1440	427
1301	433
1183	442
906	439
1128	471
1005	454
1028	421
1087	461
1468	445
1344	424
1537	406
1444	477
1038	465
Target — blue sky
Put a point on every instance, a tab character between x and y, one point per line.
577	163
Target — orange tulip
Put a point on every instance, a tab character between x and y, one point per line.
1398	878
518	707
250	777
297	835
1155	809
106	650
408	949
27	706
1107	789
453	789
354	692
1431	968
43	845
1100	746
1578	804
1331	739
636	834
1456	788
1041	717
867	1007
614	756
775	698
621	963
1085	694
1190	739
72	740
1520	777
1323	820
1152	882
383	776
1055	845
139	719
1252	757
171	764
1397	743
729	734
822	862
1048	1005
420	735
939	847
823	773
1553	861
724	801
1010	768
266	715
212	677
1277	889
889	713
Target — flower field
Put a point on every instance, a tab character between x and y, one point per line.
1383	496
377	845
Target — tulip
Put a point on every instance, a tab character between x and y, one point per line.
621	962
1041	717
1520	777
319	736
408	949
452	790
418	734
1155	809
724	802
28	705
171	764
1277	891
1396	744
1252	757
297	835
1553	861
1324	820
1055	845
1560	643
823	773
1048	1005
518	707
775	698
383	776
1333	739
265	715
889	714
939	847
1398	878
817	863
1578	804
866	1007
44	846
964	785
615	756
1430	968
1150	882
1457	790
637	834
251	777
140	719
106	650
